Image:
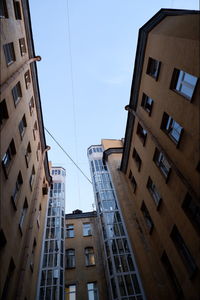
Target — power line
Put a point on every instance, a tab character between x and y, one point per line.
67	154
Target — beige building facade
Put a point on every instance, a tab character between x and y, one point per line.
24	171
84	266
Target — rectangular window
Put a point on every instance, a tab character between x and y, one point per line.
183	251
184	83
70	258
153	191
147	217
3	9
27	79
171	128
147	103
28	154
70	231
3	111
17	93
87	230
22	126
192	209
7	158
137	159
171	274
39	215
89	256
35	128
17	10
32	178
142	133
70	292
23	214
132	180
17	189
162	163
153	68
31	106
22	46
38	151
92	291
9	53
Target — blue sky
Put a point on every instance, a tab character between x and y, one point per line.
85	76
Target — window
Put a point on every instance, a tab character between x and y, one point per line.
32	257
3	240
27	79
32	177
87	229
137	159
3	9
22	46
92	291
70	292
142	133
9	53
17	10
35	127
70	258
171	128
147	217
171	274
17	189
3	111
38	151
183	251
153	68
23	214
153	191
22	126
133	182
162	163
39	215
192	210
184	83
89	256
70	231
7	158
147	103
7	283
17	93
28	154
31	106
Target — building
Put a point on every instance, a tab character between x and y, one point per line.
51	277
155	169
84	266
122	274
24	171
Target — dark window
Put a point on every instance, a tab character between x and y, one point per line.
192	210
153	67
171	274
8	156
17	189
137	159
184	83
132	180
147	217
9	53
28	154
23	214
31	106
162	163
183	251
3	240
22	126
147	103
89	256
87	230
17	93
9	276
22	46
198	167
171	128
17	9
27	79
3	9
142	133
70	231
32	178
3	111
153	191
70	258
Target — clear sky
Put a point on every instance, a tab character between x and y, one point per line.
88	51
